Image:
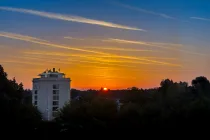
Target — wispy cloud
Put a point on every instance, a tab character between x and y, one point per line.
121	49
173	47
70	18
144	11
167	44
41	59
137	60
126	41
200	18
25	36
37	41
141	60
49	44
94	56
72	38
82	39
164	46
20	62
90	59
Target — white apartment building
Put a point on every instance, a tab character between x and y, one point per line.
50	92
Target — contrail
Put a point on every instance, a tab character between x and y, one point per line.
23	38
199	18
97	58
121	49
40	59
73	38
113	39
10	35
21	62
69	18
144	11
84	61
135	42
150	44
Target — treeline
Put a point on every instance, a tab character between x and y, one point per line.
172	105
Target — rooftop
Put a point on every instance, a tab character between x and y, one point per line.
52	73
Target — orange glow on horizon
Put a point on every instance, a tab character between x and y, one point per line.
90	68
105	89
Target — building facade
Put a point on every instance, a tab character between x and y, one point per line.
50	92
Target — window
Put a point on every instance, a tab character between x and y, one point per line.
55	103
35	102
56	86
36	92
54	108
55	92
55	97
35	97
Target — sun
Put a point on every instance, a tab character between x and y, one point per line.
105	89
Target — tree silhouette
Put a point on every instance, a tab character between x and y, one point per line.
200	82
13	110
172	105
201	85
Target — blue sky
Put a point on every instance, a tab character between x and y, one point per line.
108	10
163	21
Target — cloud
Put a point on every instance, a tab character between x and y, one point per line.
137	42
166	44
20	62
92	60
68	37
25	36
159	45
127	41
49	44
37	41
81	39
121	49
108	61
70	18
199	18
144	11
41	59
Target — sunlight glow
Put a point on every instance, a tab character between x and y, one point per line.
105	89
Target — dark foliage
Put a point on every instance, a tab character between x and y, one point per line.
172	105
16	114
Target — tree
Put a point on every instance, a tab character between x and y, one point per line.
166	83
201	85
13	111
99	112
200	82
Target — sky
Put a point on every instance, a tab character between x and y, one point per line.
106	43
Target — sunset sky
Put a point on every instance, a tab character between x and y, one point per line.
106	43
